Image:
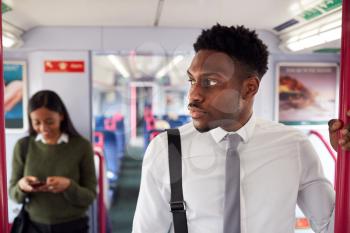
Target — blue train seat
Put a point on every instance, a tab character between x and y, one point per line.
116	124
99	122
112	155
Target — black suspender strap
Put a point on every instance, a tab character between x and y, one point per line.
177	203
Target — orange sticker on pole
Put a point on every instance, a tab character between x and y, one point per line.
64	66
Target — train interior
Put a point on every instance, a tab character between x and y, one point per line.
127	61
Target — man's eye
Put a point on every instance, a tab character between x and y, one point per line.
191	81
212	82
209	82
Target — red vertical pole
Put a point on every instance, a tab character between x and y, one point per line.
3	179
101	204
342	208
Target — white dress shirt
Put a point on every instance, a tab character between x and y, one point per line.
279	169
64	138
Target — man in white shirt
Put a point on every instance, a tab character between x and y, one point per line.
278	166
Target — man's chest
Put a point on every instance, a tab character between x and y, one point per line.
269	179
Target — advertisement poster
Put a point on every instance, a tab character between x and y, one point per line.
307	93
14	95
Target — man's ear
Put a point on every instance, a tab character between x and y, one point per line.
250	87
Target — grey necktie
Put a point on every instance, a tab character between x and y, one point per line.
232	207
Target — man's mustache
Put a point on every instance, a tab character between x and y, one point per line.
194	105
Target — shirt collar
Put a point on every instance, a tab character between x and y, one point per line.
64	138
246	131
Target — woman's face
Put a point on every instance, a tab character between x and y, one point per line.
47	123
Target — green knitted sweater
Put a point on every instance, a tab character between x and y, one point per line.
73	160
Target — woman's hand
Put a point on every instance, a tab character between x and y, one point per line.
57	184
25	183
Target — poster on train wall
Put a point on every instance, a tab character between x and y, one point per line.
15	95
307	93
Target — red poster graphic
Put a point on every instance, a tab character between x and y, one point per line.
64	66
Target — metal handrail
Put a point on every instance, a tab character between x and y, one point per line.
317	134
334	157
100	198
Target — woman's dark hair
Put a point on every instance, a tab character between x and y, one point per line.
239	43
50	100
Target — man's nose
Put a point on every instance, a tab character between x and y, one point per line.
196	93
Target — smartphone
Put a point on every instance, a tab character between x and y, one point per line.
37	184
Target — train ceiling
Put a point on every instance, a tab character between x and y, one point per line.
273	15
277	16
262	14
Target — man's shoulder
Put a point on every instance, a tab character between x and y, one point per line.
273	125
186	130
268	127
156	155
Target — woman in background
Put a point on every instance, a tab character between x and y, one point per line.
56	172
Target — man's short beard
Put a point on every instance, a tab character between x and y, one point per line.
214	124
201	130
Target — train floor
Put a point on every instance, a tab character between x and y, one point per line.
124	201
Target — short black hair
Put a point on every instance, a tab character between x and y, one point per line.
50	100
239	43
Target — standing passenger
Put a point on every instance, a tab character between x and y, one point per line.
278	167
55	172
